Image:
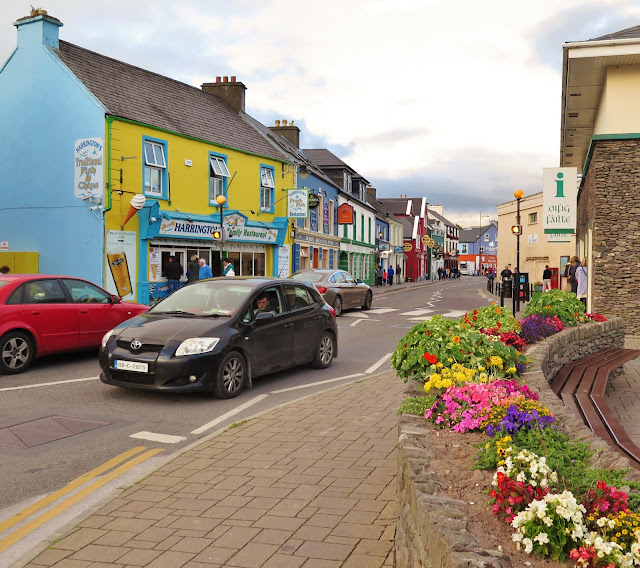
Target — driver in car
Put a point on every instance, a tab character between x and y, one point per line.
262	303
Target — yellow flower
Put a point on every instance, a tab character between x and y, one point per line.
427	386
435	377
624	531
438	385
481	368
460	377
456	339
483	377
446	383
450	360
439	365
496	361
511	370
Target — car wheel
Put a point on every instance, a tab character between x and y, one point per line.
232	376
368	300
16	352
337	305
324	351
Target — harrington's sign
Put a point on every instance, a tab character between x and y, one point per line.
559	199
234	224
88	168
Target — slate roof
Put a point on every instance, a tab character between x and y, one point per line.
407	229
444	220
142	96
628	33
326	159
397	206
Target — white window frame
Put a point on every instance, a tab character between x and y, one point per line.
267	189
216	181
154	164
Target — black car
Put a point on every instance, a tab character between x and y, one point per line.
218	334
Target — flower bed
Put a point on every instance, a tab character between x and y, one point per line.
544	473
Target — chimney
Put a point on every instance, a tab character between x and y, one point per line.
38	28
231	92
371	193
288	131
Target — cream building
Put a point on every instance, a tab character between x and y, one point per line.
535	249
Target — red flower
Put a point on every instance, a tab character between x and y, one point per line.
431	358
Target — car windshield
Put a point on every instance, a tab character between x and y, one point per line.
309	276
215	298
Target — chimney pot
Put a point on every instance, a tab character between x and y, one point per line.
226	79
284	122
291	123
277	123
233	78
218	79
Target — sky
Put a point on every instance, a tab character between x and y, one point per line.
458	100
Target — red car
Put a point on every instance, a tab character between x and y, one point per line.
42	314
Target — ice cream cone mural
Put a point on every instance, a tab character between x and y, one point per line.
136	203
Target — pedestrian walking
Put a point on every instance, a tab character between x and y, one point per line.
390	274
205	270
398	273
193	269
227	268
574	263
384	277
546	278
173	271
379	276
582	280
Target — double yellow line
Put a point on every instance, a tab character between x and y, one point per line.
73	499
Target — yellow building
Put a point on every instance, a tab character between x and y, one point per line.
537	250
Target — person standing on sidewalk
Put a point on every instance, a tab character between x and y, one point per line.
384	277
398	272
173	271
546	279
379	276
390	275
581	281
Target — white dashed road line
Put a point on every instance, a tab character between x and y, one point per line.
376	365
318	383
49	384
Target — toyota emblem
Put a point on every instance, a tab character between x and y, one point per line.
135	344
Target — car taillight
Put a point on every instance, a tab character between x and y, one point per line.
322	289
333	312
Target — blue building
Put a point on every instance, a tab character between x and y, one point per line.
478	249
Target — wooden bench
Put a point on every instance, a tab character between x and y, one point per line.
581	385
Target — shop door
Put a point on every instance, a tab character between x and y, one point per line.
554	278
316	257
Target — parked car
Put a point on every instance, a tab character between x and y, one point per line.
42	314
339	288
217	335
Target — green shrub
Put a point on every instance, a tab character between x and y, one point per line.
488	317
416	405
566	305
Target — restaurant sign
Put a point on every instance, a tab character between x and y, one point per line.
236	230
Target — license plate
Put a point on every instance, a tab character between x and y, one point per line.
131	366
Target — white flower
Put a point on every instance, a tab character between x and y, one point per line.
528	545
542	538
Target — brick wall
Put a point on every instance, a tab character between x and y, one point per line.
610	200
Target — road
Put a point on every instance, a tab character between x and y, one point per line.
111	421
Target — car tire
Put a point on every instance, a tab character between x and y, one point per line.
232	376
368	300
337	306
325	350
16	352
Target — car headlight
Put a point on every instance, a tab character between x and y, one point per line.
195	345
106	338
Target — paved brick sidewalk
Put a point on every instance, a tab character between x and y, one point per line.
311	484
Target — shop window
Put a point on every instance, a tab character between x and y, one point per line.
155	168
304	258
267	188
218	176
533	218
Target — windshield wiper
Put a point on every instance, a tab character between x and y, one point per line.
177	312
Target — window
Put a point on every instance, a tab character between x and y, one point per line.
43	292
218	174
298	297
481	250
267	188
85	293
533	218
155	168
486	237
331	218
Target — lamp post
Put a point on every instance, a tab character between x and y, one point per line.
479	237
221	200
515	291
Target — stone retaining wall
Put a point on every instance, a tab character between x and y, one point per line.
432	528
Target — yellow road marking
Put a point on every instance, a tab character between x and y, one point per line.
11	521
75	498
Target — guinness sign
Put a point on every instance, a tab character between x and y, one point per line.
314	200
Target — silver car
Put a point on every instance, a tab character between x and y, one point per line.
338	288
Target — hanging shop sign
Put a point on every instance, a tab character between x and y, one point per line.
345	214
298	203
234	225
407	247
314	200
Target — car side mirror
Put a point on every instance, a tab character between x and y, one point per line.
264	316
358	281
115	299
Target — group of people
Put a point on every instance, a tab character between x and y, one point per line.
576	272
385	276
197	269
448	273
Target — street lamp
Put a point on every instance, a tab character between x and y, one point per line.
221	200
518	193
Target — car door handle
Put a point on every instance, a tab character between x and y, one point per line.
317	317
84	311
287	325
35	313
